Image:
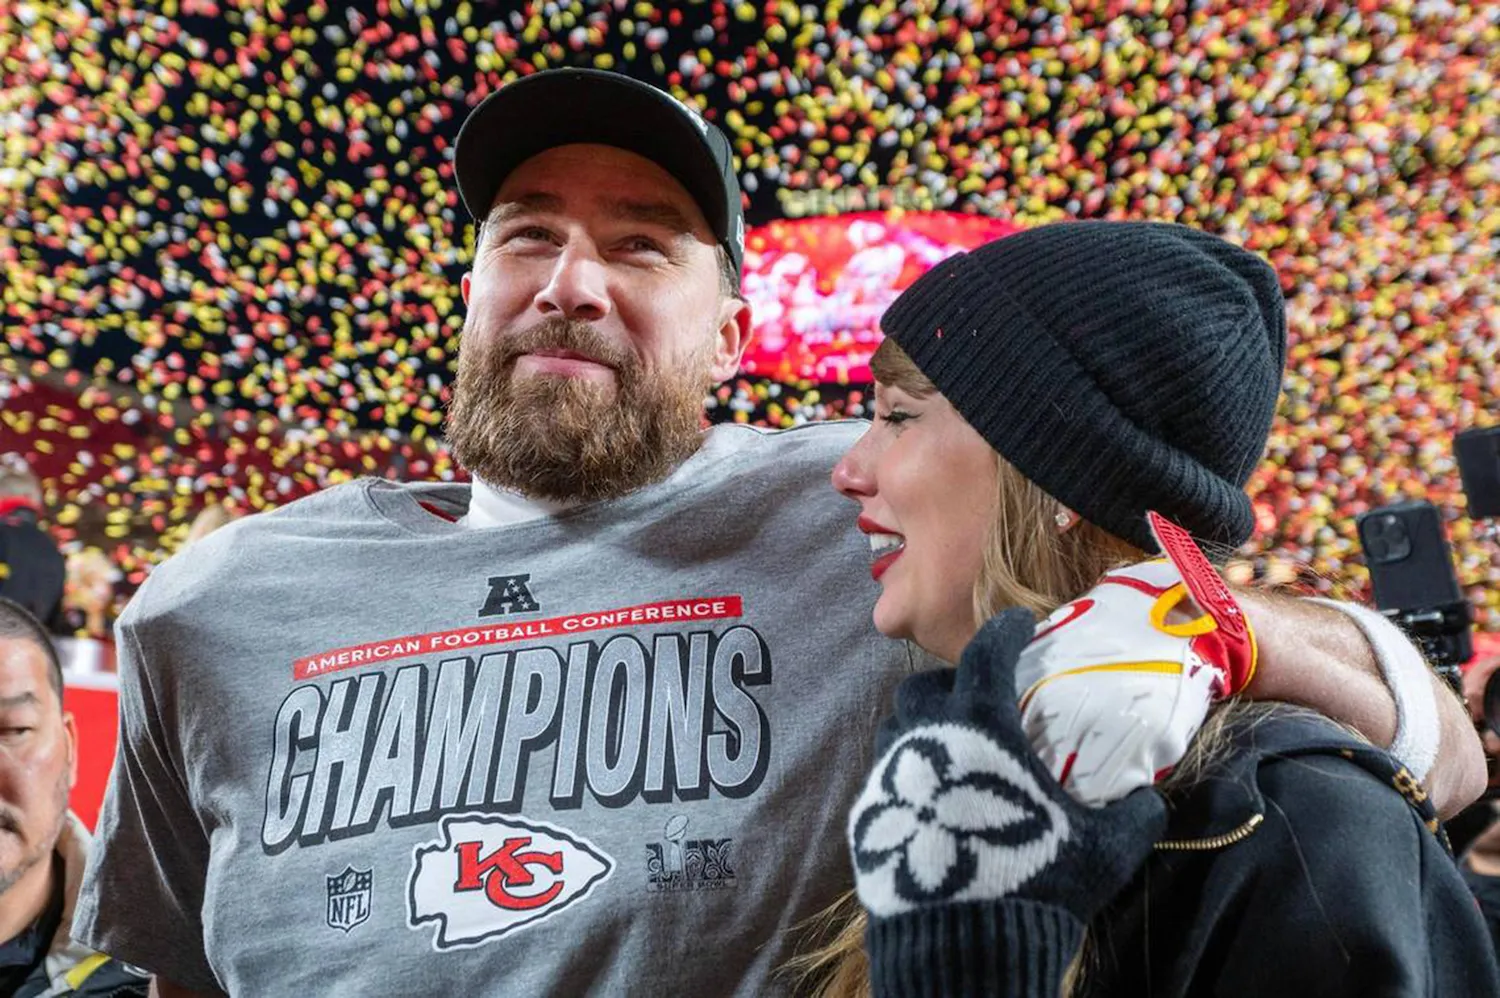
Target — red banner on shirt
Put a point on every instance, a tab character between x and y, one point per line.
480	635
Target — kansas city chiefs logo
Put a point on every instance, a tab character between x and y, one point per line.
492	874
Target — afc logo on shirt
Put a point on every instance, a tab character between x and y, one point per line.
509	594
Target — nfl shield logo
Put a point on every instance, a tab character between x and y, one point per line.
348	898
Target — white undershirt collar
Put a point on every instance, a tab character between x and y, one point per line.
493	507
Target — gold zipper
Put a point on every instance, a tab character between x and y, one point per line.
1216	842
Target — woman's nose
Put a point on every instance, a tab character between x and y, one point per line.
851	476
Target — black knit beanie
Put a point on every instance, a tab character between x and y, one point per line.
1121	366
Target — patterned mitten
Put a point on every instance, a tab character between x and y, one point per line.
962	833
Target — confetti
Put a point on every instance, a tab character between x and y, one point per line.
231	240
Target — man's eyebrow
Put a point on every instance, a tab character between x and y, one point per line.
661	213
523	205
26	699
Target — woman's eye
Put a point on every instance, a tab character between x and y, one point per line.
896	417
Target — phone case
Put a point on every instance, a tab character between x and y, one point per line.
1411	564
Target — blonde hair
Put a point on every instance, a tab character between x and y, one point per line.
209	519
1027	563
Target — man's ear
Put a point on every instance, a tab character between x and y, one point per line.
463	287
70	727
733	336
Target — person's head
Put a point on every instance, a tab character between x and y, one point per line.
1037	396
209	518
1481	700
38	746
603	300
90	582
18	481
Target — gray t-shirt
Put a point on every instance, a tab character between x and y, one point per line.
365	751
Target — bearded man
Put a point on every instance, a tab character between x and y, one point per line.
588	725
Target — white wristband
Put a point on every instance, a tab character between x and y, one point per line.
1409	679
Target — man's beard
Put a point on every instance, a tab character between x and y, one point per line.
571	438
10	824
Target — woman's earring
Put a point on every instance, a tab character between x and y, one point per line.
1064	519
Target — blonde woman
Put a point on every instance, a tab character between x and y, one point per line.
89	593
1035	399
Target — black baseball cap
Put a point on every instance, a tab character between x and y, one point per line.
558	107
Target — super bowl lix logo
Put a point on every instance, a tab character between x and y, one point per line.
678	863
488	875
349	898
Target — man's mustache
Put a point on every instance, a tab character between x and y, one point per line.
563	334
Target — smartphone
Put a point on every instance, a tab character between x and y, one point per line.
1478	453
1411	565
1411	568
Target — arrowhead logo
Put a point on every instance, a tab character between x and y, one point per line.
489	874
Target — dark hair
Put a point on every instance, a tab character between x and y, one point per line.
17	622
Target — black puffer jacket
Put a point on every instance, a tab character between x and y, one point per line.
1306	863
